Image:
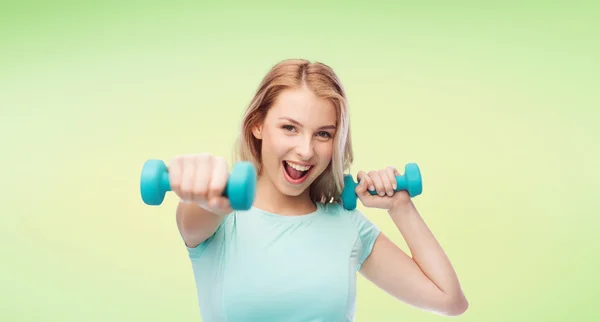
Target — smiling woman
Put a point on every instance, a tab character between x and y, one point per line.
293	256
300	106
296	140
297	171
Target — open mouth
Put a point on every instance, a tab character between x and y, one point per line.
295	173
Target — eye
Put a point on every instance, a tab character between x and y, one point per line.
288	127
324	134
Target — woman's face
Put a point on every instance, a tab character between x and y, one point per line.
297	140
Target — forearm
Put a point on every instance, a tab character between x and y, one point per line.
425	249
195	223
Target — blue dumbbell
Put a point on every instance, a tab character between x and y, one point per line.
411	181
240	188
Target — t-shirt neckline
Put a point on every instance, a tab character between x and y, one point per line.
289	217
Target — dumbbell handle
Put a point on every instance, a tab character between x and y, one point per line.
411	182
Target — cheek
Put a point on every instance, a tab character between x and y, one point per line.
273	148
325	153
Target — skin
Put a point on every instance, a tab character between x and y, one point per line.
300	127
426	280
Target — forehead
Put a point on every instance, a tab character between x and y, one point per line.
304	106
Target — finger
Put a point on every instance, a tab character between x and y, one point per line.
218	178
364	183
220	203
174	169
361	187
391	173
379	187
387	182
202	166
187	179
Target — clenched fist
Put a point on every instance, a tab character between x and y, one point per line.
201	179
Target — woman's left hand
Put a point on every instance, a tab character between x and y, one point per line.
384	183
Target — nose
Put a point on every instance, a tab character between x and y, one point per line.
305	149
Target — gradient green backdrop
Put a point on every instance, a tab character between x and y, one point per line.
497	103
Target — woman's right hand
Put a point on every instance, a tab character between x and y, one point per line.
201	179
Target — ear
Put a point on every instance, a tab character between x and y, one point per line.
257	131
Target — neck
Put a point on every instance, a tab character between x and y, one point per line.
270	199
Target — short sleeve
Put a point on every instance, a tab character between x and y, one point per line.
367	233
196	252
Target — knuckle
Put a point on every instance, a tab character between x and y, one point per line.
200	192
175	161
214	191
185	190
214	185
175	186
201	157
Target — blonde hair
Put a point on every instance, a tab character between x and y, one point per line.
322	80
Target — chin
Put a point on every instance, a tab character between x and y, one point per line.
291	192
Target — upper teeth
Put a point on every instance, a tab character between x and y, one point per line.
298	166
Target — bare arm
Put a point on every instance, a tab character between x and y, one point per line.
196	224
427	280
199	181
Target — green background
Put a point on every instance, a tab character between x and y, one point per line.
497	103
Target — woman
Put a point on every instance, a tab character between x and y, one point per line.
294	255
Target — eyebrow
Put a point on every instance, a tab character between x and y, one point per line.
326	127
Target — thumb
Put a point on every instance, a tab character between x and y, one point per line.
363	193
361	187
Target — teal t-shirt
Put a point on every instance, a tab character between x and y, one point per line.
260	266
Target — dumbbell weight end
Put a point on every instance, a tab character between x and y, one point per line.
154	182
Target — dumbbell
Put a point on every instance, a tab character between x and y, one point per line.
411	182
240	188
